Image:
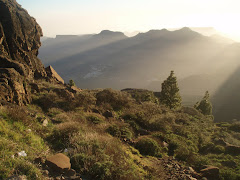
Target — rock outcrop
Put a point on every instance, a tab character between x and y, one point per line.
13	87
53	75
20	39
19	43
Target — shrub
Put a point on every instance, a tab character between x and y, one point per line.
82	162
219	149
116	99
18	114
134	125
120	132
235	127
148	146
204	106
229	174
85	99
142	95
95	119
61	134
52	112
71	83
101	170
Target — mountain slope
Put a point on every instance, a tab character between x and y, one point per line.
137	61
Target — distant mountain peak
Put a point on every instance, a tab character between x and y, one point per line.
111	33
186	29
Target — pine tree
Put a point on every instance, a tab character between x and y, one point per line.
170	95
204	106
71	83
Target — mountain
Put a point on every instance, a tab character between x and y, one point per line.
221	38
67	45
142	61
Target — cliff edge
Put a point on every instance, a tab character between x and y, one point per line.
19	43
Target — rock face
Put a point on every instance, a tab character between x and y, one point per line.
19	44
12	87
20	38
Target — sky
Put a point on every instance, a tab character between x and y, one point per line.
91	16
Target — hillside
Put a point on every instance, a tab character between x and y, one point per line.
50	130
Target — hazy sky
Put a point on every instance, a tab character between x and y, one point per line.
92	16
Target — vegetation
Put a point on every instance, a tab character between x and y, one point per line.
127	145
205	106
170	92
71	83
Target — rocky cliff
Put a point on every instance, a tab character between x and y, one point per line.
19	43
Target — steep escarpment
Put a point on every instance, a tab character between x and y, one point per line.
19	43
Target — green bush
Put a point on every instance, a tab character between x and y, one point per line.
134	125
234	127
142	95
84	99
219	149
61	134
82	162
229	174
95	119
120	132
148	146
116	99
101	170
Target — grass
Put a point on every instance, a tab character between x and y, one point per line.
126	146
15	137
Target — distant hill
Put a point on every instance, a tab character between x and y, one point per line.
111	59
53	49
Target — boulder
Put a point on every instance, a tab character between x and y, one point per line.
58	163
210	172
52	74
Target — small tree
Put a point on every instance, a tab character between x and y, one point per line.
170	95
71	83
204	106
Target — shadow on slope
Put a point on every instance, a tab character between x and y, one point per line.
64	46
226	101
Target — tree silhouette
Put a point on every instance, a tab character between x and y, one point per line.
204	106
170	92
71	83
